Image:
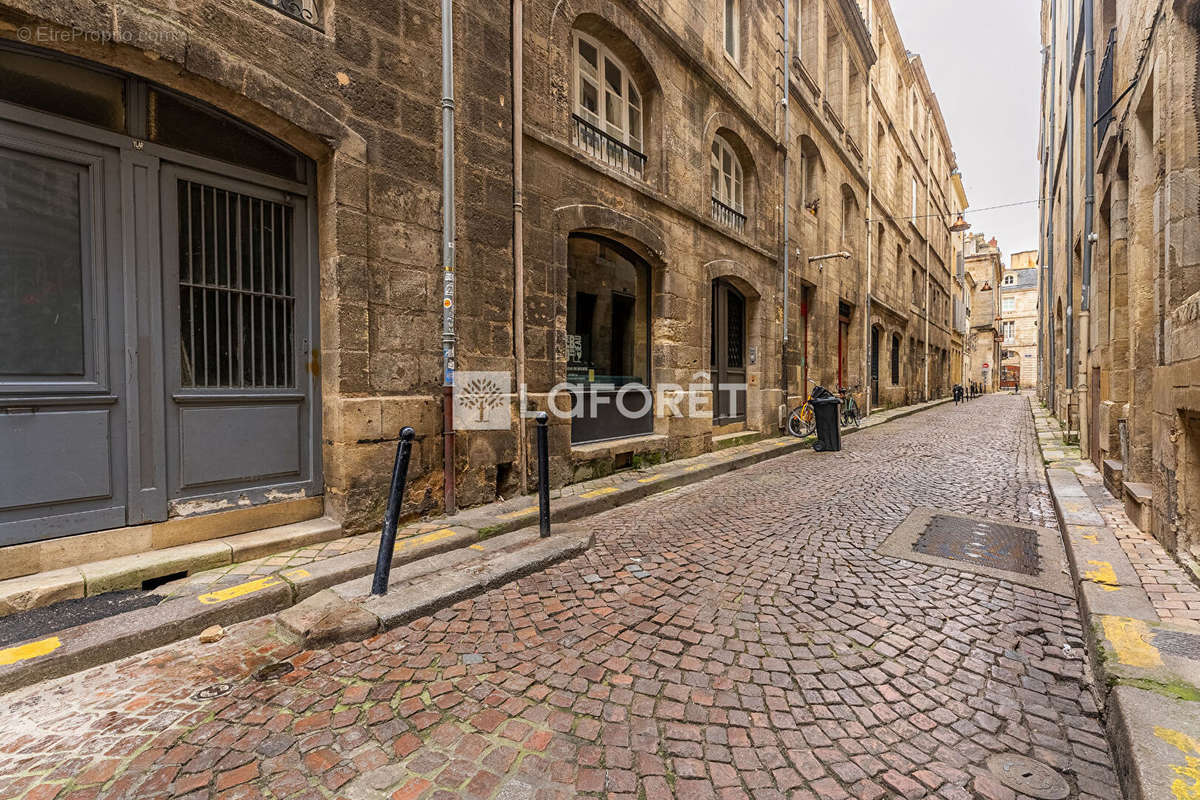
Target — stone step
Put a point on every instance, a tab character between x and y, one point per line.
131	572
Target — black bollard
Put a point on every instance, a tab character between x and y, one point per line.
543	456
387	542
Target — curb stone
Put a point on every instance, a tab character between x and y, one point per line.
1150	699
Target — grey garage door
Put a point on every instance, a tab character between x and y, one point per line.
157	317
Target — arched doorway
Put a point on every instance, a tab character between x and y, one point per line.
608	339
727	359
161	301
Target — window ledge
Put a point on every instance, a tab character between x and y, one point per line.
736	67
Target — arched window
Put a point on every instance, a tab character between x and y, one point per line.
727	193
1009	280
608	107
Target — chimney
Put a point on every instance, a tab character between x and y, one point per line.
992	242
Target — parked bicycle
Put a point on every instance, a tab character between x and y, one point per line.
851	413
802	421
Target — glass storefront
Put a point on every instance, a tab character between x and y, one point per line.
608	340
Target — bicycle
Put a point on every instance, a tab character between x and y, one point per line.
802	420
851	413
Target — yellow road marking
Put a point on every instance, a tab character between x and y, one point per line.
651	479
693	467
444	533
1091	537
1180	788
11	655
1104	575
523	512
599	492
475	547
240	590
1127	637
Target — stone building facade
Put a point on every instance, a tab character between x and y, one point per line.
1120	356
256	187
985	266
1019	321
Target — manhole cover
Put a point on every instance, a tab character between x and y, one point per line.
1028	777
272	671
1176	643
216	690
987	544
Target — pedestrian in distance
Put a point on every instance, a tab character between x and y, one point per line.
958	393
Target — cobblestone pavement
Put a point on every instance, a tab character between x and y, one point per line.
736	638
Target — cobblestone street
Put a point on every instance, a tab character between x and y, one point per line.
735	638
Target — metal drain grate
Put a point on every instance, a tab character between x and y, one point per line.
987	544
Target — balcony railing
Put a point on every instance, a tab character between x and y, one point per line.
728	216
1104	92
608	149
306	11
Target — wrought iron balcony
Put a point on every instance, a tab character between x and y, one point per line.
728	216
1104	92
306	11
608	149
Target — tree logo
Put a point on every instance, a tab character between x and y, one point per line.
482	400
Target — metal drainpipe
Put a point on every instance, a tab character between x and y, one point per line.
518	111
787	89
448	200
1048	288
1089	184
928	208
867	375
1041	331
1069	381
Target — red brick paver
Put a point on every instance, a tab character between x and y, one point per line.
737	638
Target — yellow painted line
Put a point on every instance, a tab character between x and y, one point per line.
296	573
241	590
523	512
23	652
599	492
1187	785
475	547
1104	575
651	479
1091	537
1127	637
426	538
694	467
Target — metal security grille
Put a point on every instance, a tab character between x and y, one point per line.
236	291
735	316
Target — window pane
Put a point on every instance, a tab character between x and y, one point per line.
730	27
181	124
608	301
589	100
64	89
612	77
41	267
716	182
588	52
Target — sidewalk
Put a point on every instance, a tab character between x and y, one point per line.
241	591
1142	617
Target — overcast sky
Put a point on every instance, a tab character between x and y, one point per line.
984	61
